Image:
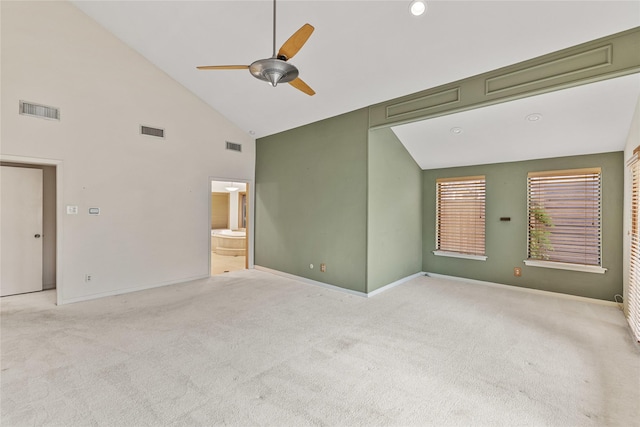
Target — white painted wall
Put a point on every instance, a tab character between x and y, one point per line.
633	141
153	193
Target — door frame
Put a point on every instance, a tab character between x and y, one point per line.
250	228
59	211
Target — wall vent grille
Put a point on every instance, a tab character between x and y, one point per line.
234	146
37	110
147	130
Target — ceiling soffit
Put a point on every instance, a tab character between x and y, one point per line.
608	57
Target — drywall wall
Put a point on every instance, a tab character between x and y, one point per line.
394	225
506	242
311	207
633	141
219	210
153	193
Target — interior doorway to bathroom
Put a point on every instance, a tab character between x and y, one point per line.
229	226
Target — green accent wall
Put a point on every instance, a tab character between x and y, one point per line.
311	200
394	243
506	242
329	192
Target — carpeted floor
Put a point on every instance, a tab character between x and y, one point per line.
250	348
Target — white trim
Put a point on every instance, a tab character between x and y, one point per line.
309	281
59	220
59	211
459	255
338	288
136	289
565	266
394	284
526	290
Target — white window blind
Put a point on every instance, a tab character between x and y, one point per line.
460	224
564	216
633	295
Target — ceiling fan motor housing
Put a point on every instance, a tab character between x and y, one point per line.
273	70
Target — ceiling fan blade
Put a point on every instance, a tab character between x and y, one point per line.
223	67
296	41
302	86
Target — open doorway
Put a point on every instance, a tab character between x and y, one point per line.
229	226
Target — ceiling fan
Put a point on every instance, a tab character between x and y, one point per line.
276	69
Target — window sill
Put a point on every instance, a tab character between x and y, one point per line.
565	266
459	255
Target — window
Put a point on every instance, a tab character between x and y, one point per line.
633	296
564	219
460	222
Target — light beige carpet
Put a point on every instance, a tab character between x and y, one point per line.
250	348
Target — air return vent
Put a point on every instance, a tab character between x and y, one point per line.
37	110
234	147
147	130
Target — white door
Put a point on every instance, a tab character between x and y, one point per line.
20	230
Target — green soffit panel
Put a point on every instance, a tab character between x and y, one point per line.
605	58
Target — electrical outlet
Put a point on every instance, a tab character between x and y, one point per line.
323	267
517	271
88	277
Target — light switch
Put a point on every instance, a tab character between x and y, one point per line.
72	210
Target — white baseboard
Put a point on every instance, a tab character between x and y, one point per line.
394	284
309	281
337	288
521	289
129	290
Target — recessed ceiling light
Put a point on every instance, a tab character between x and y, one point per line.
534	117
418	7
456	131
251	132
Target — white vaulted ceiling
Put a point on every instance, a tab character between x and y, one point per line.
366	52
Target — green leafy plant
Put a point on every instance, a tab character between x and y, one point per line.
539	233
